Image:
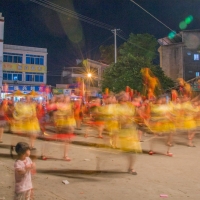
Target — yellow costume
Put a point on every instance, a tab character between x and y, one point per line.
111	121
178	114
189	111
127	133
197	117
161	118
25	119
64	117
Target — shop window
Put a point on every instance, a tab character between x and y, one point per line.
15	59
197	74
41	61
5	76
35	77
12	57
196	56
12	76
94	71
19	77
19	59
5	58
41	78
34	59
29	77
28	60
37	61
9	58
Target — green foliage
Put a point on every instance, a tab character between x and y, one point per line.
140	45
127	70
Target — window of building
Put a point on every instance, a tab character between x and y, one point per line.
196	56
94	71
34	59
189	53
35	77
12	76
94	83
12	57
197	73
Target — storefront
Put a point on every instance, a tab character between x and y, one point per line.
43	90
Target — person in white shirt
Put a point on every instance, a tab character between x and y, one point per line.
23	167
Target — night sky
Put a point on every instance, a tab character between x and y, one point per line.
68	39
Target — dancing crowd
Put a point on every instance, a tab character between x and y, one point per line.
125	119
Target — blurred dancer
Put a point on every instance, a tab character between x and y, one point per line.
51	108
111	120
41	116
25	120
140	110
189	123
161	122
97	115
128	136
78	113
64	119
3	108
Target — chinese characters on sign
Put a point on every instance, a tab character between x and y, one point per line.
25	88
23	67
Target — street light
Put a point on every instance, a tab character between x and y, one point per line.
89	75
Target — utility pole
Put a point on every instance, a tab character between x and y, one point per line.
115	40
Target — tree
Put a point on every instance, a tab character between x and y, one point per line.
127	71
140	45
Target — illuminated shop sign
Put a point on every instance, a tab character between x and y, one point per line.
23	67
25	88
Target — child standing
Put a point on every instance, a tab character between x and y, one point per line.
23	166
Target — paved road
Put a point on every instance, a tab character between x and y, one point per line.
176	176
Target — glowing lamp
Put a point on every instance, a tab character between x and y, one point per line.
89	75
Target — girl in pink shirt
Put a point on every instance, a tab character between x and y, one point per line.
23	166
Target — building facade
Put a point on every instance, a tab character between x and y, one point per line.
180	56
24	68
89	75
1	48
21	67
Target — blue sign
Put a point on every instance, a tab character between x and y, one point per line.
23	88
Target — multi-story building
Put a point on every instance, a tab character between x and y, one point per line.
21	67
90	73
180	56
24	68
1	47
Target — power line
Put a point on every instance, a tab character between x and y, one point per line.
99	44
152	15
71	13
